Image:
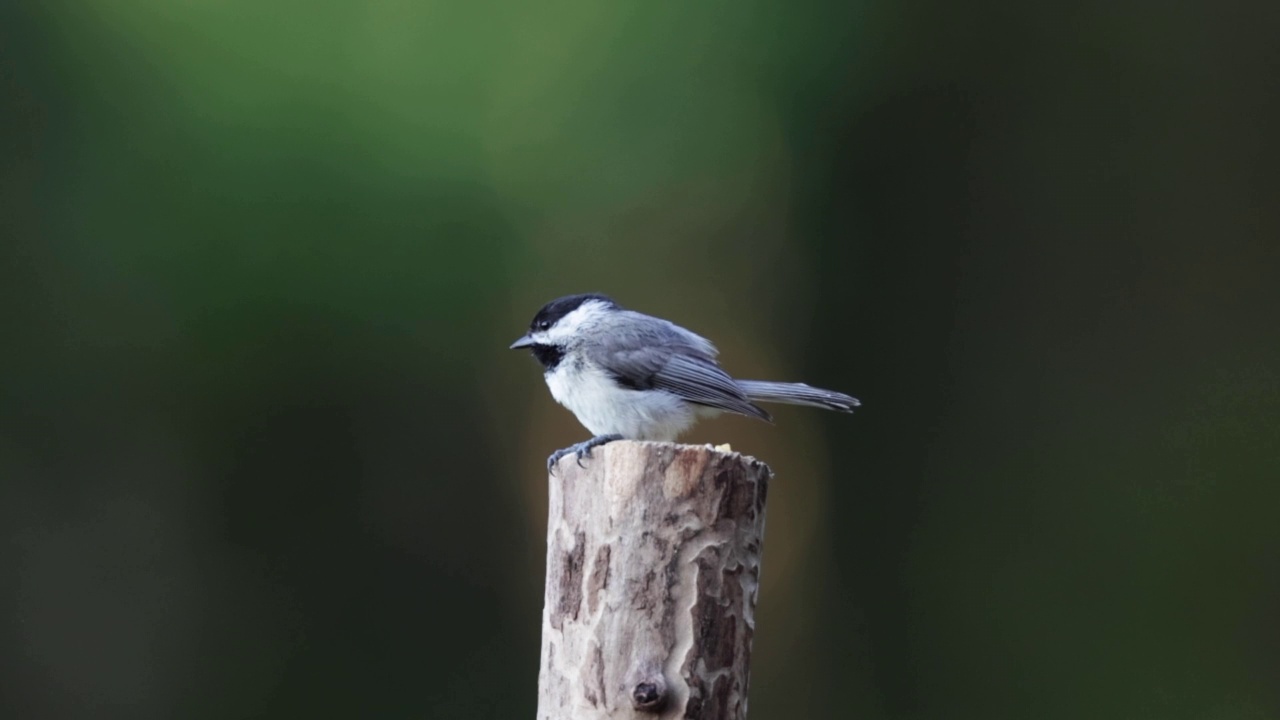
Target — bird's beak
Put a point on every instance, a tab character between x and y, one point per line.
524	342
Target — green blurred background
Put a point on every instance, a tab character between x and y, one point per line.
263	453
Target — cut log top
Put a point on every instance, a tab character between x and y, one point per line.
653	565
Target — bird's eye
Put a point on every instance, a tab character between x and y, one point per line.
544	325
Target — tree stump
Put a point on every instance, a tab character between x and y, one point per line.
653	567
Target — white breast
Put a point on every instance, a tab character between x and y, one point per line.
604	407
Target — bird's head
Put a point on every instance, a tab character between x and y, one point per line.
559	324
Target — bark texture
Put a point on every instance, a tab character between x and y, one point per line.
653	565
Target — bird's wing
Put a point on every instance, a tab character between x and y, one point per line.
702	381
646	353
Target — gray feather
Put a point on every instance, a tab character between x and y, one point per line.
703	382
797	394
645	353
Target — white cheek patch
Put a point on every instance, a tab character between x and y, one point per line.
569	325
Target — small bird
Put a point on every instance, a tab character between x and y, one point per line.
627	375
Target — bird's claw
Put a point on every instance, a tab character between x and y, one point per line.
554	458
582	450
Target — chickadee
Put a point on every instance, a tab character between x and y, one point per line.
626	375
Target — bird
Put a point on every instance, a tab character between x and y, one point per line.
627	375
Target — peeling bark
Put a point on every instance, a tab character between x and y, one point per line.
653	565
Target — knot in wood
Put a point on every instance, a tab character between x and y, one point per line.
650	694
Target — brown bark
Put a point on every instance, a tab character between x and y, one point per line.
653	565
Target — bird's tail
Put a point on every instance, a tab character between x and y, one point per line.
797	394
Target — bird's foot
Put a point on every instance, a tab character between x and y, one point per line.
582	449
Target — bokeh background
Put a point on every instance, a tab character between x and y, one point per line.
263	453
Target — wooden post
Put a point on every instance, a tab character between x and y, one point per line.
653	565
